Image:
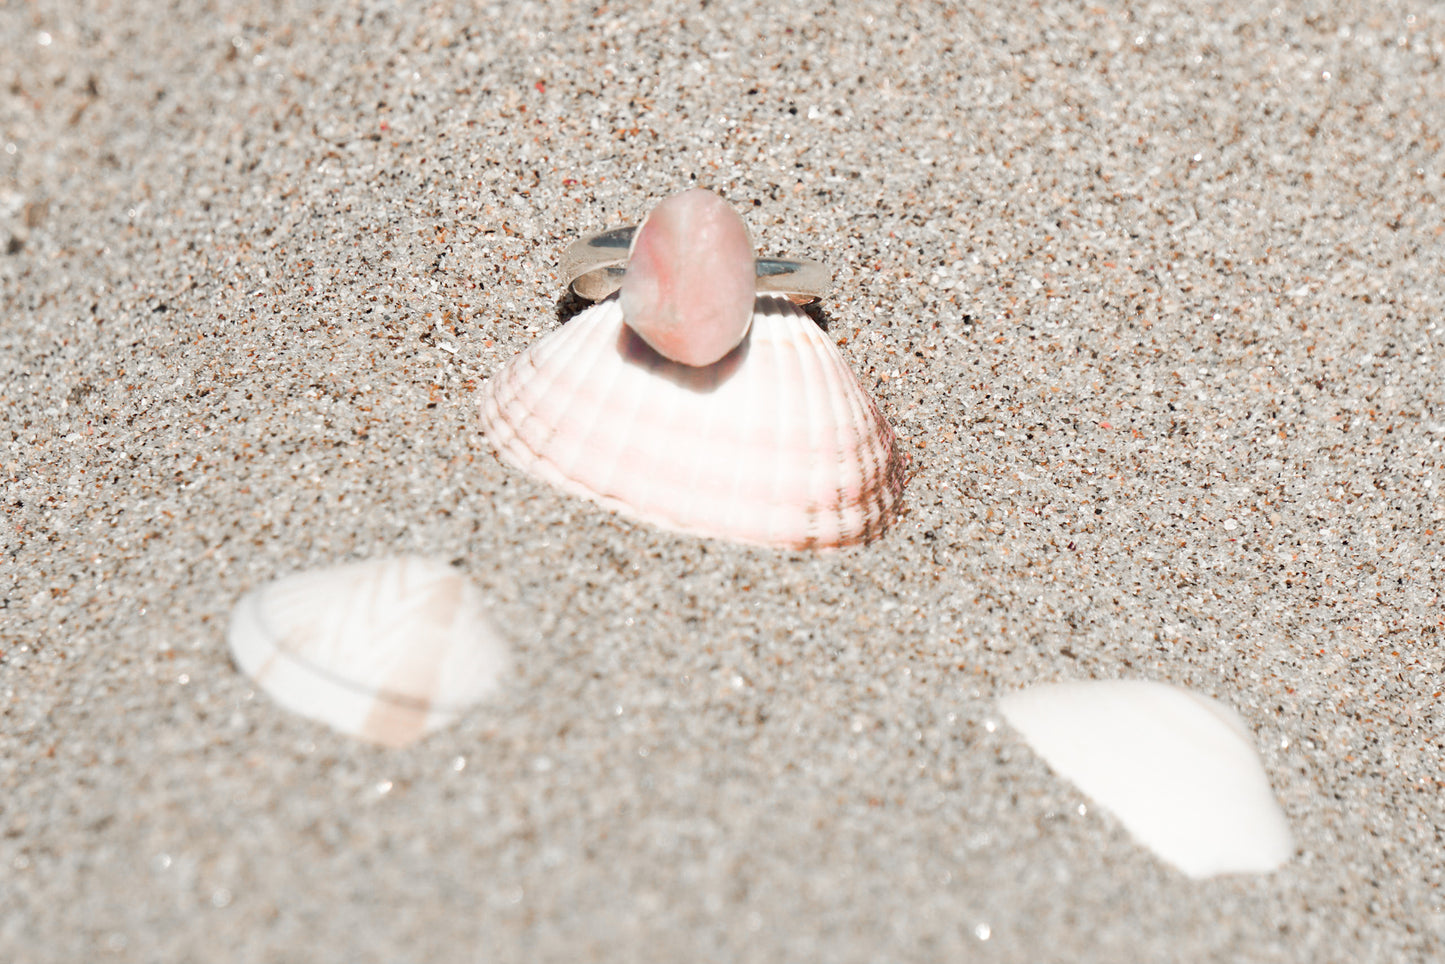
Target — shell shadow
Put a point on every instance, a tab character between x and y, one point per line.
815	311
703	380
570	305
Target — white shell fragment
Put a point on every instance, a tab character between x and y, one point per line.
775	444
688	289
1178	769
385	650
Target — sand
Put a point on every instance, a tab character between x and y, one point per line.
1152	294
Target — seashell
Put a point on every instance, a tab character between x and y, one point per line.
688	288
775	444
385	650
1178	769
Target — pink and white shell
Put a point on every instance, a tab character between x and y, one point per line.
776	444
385	650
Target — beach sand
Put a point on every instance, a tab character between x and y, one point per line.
1152	294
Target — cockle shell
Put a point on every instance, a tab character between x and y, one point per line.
776	444
688	289
385	650
1179	770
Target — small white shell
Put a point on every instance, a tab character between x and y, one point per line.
385	650
1179	770
776	444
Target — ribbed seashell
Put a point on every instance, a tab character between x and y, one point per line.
1178	769
385	650
776	444
688	290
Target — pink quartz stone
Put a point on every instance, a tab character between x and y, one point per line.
689	287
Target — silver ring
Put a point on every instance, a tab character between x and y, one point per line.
593	268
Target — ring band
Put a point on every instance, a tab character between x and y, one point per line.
593	267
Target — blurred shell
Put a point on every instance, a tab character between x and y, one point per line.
385	650
1178	769
775	444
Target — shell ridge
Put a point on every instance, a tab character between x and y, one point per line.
312	666
498	393
634	379
832	418
701	491
876	498
771	409
289	602
519	430
372	595
378	591
872	510
551	360
888	488
758	459
512	412
631	379
799	357
601	371
875	504
845	413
